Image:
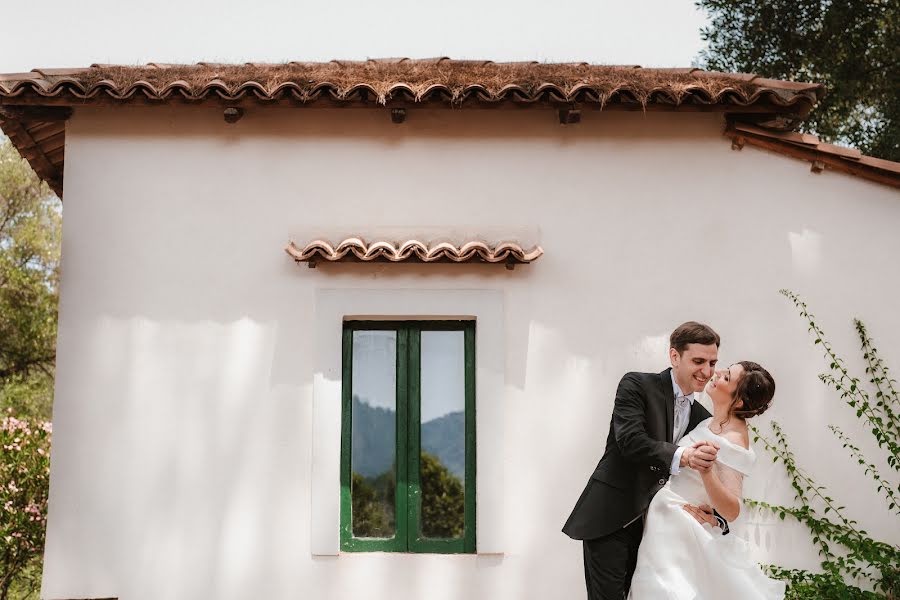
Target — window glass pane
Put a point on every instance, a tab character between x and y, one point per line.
373	438
443	434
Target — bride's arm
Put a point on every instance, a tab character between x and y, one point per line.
724	487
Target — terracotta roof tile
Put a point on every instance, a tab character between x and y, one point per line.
679	69
357	250
45	94
788	136
841	151
777	84
738	76
808	147
882	164
60	72
442	80
16	76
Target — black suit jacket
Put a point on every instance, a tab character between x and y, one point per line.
637	459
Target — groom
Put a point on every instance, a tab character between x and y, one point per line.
651	413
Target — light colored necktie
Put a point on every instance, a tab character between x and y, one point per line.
682	415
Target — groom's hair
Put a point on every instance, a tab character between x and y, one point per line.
692	332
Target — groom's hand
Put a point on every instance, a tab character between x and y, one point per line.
700	456
703	514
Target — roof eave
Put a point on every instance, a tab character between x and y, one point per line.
28	112
820	155
40	138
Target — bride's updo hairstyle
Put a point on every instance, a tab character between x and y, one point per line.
754	392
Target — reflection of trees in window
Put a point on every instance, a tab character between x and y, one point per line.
371	516
443	510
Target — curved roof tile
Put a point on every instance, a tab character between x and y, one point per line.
438	82
424	80
357	250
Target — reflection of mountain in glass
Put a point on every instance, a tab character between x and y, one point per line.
445	438
373	440
373	443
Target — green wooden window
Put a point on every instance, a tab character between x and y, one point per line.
408	437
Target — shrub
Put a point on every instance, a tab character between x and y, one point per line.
24	484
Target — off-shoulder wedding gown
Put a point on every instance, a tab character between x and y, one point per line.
680	559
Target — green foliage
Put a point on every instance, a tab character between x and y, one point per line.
24	484
882	486
27	583
850	46
28	395
443	510
373	505
30	222
845	548
803	585
880	416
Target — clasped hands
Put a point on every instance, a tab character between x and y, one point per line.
701	457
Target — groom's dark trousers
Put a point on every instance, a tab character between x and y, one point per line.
634	466
609	562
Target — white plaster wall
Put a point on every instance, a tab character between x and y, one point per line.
183	418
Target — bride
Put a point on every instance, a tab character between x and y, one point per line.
681	559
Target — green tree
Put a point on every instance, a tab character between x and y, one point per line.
30	220
853	47
30	224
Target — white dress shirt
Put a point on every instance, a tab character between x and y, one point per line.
682	414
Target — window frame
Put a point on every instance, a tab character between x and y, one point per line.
408	495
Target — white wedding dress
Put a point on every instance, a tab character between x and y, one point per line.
680	559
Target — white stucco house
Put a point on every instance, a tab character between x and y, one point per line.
494	246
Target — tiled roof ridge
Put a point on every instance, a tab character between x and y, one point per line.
411	80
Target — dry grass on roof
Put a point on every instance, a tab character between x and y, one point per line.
418	76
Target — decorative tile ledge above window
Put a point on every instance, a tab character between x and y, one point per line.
357	250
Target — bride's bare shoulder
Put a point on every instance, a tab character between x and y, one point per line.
738	436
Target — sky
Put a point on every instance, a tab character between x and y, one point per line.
55	33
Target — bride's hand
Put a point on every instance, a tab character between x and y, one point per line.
700	456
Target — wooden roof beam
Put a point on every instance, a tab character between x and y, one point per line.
29	114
